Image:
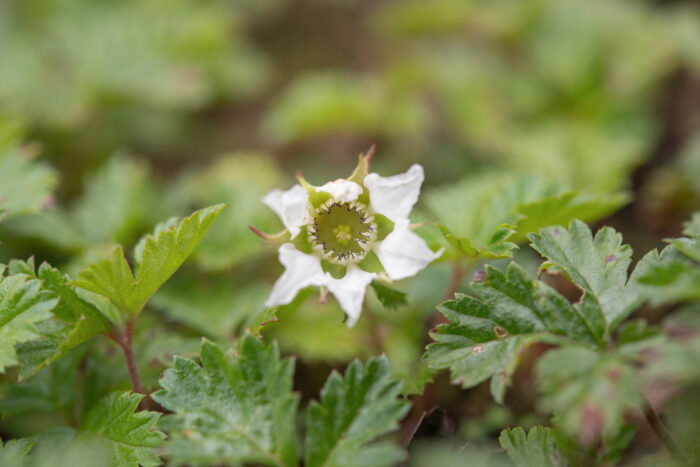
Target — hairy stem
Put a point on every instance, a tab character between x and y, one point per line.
661	431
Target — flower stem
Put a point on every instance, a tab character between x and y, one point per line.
661	431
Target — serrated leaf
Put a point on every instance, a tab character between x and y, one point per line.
75	321
23	305
354	411
162	256
390	298
490	327
597	265
130	437
230	410
536	449
590	397
25	184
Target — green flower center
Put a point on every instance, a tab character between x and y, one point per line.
342	232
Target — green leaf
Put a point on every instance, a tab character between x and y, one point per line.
490	327
231	410
129	437
162	255
14	451
497	246
76	320
598	266
486	215
23	305
353	412
588	391
537	449
390	298
674	274
25	184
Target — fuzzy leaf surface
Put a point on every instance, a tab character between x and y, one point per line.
231	410
536	449
597	265
23	305
491	326
353	412
129	437
75	321
161	255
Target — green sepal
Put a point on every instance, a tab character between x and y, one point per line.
302	243
338	271
384	226
371	263
316	197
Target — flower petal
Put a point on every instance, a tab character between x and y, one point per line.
395	196
403	253
342	190
301	271
350	291
292	207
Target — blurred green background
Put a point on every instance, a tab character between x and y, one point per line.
115	115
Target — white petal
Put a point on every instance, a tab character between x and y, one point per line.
350	291
342	191
301	271
403	253
292	207
395	196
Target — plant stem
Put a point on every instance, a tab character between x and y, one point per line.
125	341
458	272
375	332
661	431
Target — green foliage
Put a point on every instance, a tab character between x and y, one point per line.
536	449
352	413
161	255
25	184
240	408
490	328
390	298
129	437
12	452
76	319
674	275
589	397
598	265
485	216
231	410
23	305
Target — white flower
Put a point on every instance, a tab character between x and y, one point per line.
352	232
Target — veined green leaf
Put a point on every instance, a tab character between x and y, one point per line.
490	327
231	410
162	255
13	452
536	449
23	305
129	437
598	265
354	411
75	321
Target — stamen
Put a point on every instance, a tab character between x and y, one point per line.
342	232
